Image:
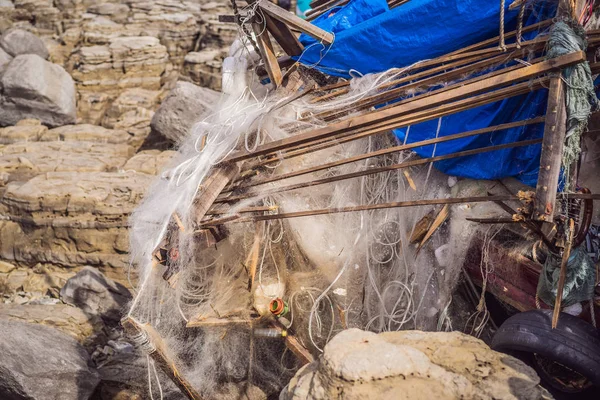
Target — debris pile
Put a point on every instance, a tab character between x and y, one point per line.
290	213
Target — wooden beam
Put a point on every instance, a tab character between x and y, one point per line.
552	150
157	350
435	98
428	115
295	22
284	36
267	53
211	188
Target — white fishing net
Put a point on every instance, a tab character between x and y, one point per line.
379	270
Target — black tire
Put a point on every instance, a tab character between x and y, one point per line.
574	343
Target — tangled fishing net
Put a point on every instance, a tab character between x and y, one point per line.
379	270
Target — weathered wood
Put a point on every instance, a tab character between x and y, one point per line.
428	115
298	349
245	210
211	188
295	22
439	220
158	352
284	36
552	149
436	98
267	53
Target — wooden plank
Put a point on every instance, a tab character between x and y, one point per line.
295	22
298	349
552	149
451	76
440	111
284	36
436	98
215	322
376	170
267	53
283	62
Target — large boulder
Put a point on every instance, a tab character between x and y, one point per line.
5	58
18	41
95	294
32	87
412	365
185	105
41	363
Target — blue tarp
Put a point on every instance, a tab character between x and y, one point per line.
370	38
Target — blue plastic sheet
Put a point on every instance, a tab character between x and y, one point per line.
370	38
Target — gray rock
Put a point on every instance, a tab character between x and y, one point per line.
17	41
41	363
96	294
185	105
32	87
5	58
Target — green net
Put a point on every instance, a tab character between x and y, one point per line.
579	283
